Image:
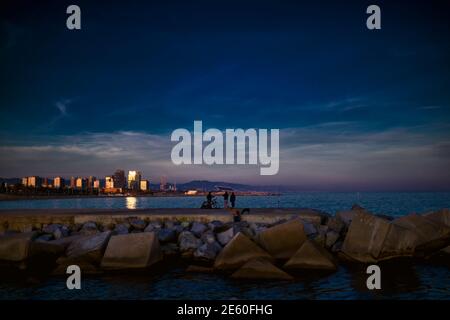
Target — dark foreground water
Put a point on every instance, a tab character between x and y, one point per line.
391	203
399	281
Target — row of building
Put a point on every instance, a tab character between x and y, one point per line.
117	182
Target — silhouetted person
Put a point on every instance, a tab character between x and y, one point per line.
209	197
225	199
233	199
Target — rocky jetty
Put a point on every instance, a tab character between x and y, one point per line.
275	250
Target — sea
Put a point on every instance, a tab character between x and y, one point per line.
388	203
404	280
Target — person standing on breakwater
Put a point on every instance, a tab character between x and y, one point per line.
225	200
209	198
233	199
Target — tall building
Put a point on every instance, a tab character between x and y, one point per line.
90	182
45	182
73	182
34	181
134	180
163	183
25	181
109	182
58	182
119	179
81	183
144	185
96	184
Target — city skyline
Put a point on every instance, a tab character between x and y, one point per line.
357	109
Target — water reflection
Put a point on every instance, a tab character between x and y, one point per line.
131	202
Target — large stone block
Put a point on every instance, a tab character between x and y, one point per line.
88	248
225	236
239	251
442	216
16	247
283	240
372	239
365	237
431	235
399	242
135	250
311	256
260	269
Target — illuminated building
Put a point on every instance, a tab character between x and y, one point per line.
58	182
109	182
81	183
144	185
134	179
34	181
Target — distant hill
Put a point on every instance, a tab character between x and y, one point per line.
212	185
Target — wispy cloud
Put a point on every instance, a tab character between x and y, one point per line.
429	107
62	108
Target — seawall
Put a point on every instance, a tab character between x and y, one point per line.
27	219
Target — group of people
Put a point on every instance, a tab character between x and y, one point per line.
237	213
226	196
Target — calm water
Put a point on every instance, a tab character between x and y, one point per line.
388	203
399	280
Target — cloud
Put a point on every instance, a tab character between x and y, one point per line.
330	156
429	107
62	107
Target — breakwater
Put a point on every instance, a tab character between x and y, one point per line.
271	244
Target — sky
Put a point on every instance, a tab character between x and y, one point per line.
357	109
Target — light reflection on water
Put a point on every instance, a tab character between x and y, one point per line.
131	202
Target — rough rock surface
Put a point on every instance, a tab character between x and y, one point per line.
137	224
15	247
198	228
225	236
239	251
167	235
122	228
207	251
89	228
331	238
88	248
372	239
431	235
260	269
441	216
311	256
136	250
188	242
283	240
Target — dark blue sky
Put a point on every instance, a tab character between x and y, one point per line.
311	69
